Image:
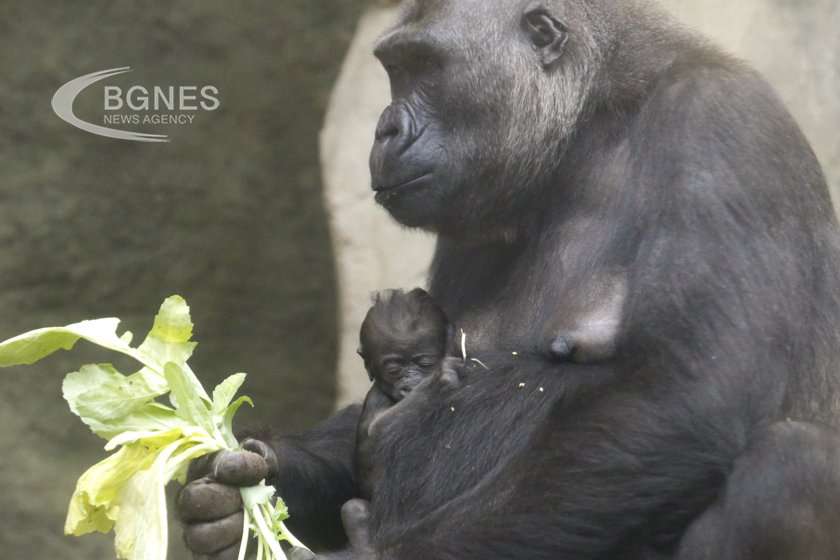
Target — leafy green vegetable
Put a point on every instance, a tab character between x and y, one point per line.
153	442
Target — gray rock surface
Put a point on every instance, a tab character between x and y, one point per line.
373	252
228	214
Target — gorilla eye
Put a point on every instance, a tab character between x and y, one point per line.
424	63
408	56
393	370
425	362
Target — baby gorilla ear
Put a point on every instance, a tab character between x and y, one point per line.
361	353
546	32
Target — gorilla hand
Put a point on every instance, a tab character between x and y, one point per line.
211	506
355	517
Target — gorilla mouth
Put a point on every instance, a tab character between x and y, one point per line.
411	182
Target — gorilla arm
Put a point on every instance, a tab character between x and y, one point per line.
625	470
611	470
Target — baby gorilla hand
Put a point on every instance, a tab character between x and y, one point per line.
211	506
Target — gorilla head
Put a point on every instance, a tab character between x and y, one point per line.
479	117
404	338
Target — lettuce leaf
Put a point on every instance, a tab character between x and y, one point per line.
153	442
30	347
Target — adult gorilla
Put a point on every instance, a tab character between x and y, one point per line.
635	215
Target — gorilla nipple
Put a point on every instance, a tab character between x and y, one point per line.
562	348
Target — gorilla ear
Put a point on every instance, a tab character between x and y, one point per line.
361	353
546	33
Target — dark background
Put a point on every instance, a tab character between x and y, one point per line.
228	214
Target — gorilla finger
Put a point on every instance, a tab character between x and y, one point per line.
229	553
263	450
239	468
450	372
199	468
214	537
301	554
452	364
206	500
355	517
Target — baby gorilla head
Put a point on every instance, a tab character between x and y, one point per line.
403	340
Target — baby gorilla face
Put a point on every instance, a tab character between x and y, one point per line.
403	340
404	360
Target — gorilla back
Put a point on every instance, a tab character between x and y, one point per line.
590	166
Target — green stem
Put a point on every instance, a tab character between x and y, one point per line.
286	534
268	536
243	547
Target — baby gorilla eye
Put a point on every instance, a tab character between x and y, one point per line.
425	362
393	370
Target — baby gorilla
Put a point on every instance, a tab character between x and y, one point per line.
405	339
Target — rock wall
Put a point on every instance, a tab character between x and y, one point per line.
228	214
372	251
794	44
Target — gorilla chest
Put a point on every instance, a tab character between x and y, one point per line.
562	294
564	317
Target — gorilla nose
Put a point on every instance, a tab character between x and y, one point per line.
387	127
396	128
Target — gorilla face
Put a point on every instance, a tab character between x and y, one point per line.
484	96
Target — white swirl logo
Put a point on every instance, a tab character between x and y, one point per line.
143	105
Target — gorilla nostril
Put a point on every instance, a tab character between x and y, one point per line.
386	130
397	126
389	124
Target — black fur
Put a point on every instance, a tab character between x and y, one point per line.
554	147
404	339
